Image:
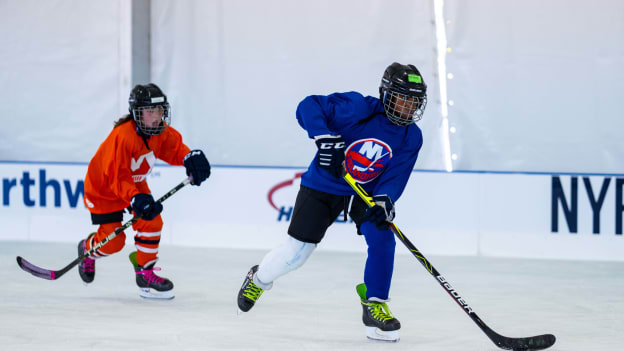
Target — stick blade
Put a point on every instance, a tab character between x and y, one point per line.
34	270
539	342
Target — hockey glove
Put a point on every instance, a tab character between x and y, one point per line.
331	154
144	206
381	213
197	166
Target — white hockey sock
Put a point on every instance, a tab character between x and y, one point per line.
262	285
287	257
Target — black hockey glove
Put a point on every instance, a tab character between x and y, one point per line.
381	213
144	206
331	154
197	166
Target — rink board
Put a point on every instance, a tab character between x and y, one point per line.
488	214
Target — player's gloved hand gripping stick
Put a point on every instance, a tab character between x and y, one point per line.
53	275
538	342
144	206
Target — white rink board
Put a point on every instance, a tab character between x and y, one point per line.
487	214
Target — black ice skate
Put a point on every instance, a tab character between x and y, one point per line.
150	285
379	322
249	293
86	269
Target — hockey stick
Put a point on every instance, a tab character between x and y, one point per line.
538	342
53	275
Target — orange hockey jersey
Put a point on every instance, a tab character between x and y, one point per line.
118	170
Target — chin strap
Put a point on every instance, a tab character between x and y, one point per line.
143	136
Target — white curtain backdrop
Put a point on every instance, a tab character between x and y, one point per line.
538	85
236	70
59	78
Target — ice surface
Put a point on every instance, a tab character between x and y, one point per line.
314	308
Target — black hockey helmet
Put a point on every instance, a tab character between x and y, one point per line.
149	100
403	93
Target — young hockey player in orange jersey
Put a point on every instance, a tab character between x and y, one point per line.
115	181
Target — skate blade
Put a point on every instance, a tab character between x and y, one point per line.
153	294
376	334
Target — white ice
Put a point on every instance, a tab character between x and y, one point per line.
313	308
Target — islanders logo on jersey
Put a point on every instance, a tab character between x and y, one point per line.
365	159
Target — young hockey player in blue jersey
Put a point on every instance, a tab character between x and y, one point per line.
378	143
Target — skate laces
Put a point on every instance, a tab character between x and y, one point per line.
252	291
88	265
150	276
379	310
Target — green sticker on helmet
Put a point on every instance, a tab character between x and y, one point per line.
414	78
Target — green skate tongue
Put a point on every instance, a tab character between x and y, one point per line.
361	290
133	259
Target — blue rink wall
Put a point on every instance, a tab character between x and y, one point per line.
532	215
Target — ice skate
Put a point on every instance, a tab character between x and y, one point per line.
379	322
249	292
150	285
86	269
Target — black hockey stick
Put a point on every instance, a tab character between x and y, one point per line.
538	342
53	275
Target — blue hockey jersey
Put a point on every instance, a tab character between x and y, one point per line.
379	155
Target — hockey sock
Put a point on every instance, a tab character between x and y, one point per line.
288	256
380	260
112	246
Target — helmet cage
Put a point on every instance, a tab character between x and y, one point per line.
139	112
403	109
